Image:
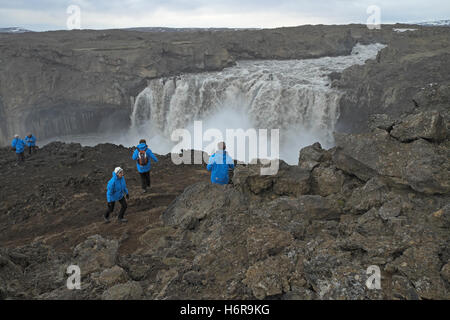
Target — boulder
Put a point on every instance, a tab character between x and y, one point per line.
443	216
372	194
164	279
32	270
269	277
403	289
292	181
155	239
445	272
112	276
249	178
289	180
200	200
421	266
95	254
430	175
426	125
315	207
131	290
264	241
381	121
422	165
327	180
291	212
391	209
311	156
352	166
9	271
336	276
193	277
141	266
370	224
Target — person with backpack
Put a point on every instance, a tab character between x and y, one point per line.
30	140
116	191
143	155
19	146
219	163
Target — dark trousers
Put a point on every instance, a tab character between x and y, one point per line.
145	179
31	149
20	157
123	208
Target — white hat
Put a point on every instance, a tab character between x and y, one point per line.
118	170
16	136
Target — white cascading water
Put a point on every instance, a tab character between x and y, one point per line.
292	95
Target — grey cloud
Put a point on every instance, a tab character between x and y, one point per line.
324	11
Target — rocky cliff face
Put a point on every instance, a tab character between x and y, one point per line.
411	74
71	82
310	232
76	82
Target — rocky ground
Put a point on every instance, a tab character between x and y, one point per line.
379	198
309	232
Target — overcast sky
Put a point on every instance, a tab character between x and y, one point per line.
104	14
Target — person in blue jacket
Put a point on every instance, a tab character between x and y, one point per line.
30	140
142	155
219	163
117	191
19	146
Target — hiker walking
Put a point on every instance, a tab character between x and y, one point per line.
19	146
30	140
219	163
117	191
142	156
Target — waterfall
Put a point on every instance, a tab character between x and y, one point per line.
294	96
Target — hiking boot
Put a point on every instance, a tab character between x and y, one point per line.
144	190
106	219
123	220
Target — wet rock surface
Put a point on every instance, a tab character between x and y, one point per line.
245	240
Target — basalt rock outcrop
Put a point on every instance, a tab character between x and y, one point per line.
412	152
311	231
408	76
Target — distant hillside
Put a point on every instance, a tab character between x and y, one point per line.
167	29
14	30
438	23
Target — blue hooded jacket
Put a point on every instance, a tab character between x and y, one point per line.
150	155
218	164
116	188
18	144
31	142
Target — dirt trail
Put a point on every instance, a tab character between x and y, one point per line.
58	195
